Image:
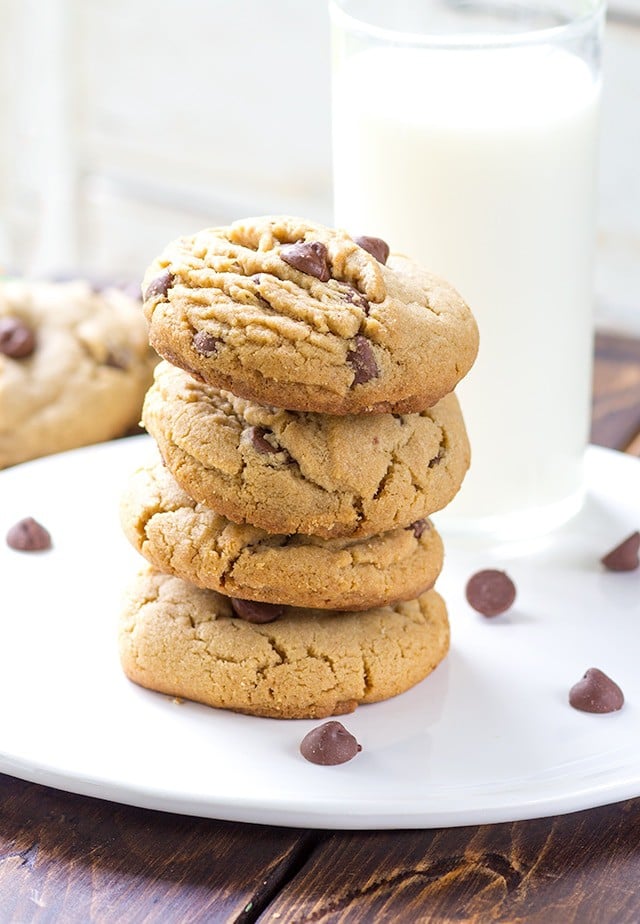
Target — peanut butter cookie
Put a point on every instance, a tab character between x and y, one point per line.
74	366
184	538
318	474
286	312
184	641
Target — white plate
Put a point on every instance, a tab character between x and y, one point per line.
488	737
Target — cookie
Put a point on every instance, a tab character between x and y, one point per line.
318	474
74	366
290	313
186	539
184	641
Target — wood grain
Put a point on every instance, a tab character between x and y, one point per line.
616	404
577	869
68	859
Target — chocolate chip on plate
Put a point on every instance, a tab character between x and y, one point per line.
28	536
625	556
596	693
260	444
309	257
206	344
362	360
159	286
329	744
17	339
490	592
375	246
253	611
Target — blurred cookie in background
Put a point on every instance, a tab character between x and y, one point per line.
74	366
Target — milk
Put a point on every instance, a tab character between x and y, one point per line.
481	166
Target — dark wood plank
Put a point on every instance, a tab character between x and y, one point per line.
616	406
577	869
71	859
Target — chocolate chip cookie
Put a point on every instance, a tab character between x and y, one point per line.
184	641
187	539
74	366
290	313
318	474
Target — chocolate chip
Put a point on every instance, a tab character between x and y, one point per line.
28	536
17	339
159	286
375	246
260	444
491	592
329	744
420	527
118	359
309	257
356	298
436	459
263	301
257	279
596	693
625	556
362	360
253	611
206	344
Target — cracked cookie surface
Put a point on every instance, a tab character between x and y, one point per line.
286	312
318	474
74	366
183	641
182	537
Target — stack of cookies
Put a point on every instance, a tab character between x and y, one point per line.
306	429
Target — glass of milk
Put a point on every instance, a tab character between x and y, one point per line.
465	135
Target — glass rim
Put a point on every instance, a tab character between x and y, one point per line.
547	34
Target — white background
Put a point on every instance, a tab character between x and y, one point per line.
125	124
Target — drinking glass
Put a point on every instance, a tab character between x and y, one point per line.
465	134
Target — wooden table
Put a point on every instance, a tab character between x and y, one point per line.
68	859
